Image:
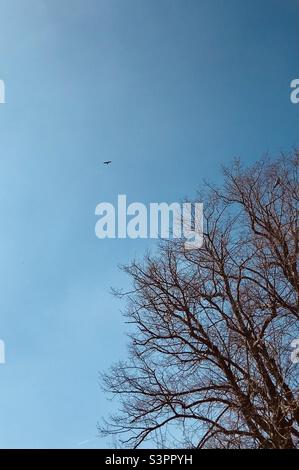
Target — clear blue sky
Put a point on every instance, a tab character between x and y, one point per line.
169	90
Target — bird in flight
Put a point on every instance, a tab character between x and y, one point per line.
107	162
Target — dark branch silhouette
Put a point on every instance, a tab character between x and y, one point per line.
209	360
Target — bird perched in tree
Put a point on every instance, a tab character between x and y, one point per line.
278	181
107	162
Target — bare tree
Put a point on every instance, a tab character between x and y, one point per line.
209	361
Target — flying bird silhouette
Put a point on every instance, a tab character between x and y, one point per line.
107	162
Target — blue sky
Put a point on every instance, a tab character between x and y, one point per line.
169	90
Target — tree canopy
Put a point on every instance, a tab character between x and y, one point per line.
209	362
